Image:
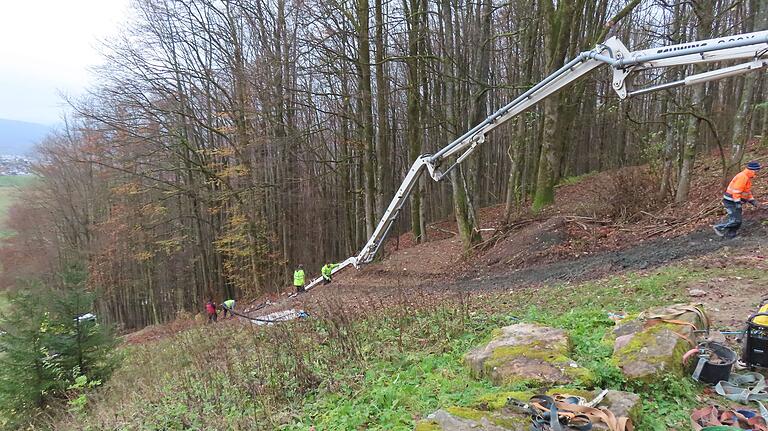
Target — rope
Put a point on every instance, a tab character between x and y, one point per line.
672	313
711	419
743	388
548	414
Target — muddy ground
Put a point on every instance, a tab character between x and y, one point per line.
648	254
729	299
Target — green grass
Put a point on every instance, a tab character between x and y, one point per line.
390	392
381	372
15	180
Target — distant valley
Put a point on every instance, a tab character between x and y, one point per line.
18	138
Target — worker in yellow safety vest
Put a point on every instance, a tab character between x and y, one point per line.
228	306
298	279
327	271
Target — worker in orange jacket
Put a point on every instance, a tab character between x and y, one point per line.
738	191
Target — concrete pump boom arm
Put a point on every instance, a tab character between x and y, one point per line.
613	53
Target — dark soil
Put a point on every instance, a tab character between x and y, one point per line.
648	254
372	289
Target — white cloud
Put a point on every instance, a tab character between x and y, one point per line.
46	47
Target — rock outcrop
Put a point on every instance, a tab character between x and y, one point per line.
492	413
646	347
527	353
463	419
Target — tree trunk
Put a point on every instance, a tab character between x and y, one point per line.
383	150
366	114
703	10
462	203
556	36
413	10
743	117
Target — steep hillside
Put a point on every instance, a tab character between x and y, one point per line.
382	360
588	234
384	346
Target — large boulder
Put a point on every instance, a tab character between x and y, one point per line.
528	353
622	403
493	413
647	346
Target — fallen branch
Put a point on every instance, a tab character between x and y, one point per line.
654	216
582	225
578	219
503	233
443	230
668	225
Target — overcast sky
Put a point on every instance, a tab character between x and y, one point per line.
46	48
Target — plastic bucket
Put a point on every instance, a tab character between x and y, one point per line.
714	372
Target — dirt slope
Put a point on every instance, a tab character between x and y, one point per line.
700	246
605	224
643	255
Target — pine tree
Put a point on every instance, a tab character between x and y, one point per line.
82	344
49	340
27	374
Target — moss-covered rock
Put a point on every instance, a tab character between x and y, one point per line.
464	418
528	353
622	403
646	348
493	411
427	425
498	401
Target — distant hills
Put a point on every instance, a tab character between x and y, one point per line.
18	137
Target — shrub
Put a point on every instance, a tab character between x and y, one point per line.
623	194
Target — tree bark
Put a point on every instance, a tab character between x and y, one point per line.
743	118
383	146
704	13
413	10
366	114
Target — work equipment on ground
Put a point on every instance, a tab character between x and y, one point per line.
571	413
744	388
672	314
755	351
714	364
612	52
276	317
714	419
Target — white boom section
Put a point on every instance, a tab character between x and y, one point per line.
390	215
613	53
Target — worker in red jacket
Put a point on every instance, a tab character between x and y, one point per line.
738	191
210	308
